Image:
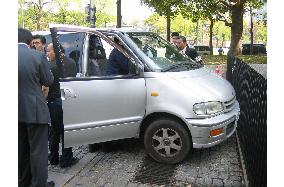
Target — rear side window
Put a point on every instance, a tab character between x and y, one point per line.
204	48
207	48
73	46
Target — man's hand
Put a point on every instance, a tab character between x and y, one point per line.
45	91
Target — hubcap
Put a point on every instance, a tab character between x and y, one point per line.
166	142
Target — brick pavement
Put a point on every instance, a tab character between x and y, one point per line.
118	166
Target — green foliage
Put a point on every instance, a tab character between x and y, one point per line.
228	11
104	13
222	59
57	11
165	7
214	59
179	24
221	32
157	23
254	59
103	19
183	25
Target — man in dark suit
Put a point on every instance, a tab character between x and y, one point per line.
33	114
55	109
39	42
185	49
117	64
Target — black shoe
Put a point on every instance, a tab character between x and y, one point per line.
50	184
64	164
53	160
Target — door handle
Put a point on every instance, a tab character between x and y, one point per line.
67	93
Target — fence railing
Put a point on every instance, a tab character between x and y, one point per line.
251	88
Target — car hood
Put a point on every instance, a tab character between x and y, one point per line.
207	86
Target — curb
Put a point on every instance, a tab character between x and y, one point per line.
242	161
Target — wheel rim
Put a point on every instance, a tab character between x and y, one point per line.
166	142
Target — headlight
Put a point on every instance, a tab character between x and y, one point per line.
208	108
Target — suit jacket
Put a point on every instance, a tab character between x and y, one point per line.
191	52
69	67
117	63
69	70
33	72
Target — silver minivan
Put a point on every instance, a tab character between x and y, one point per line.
173	103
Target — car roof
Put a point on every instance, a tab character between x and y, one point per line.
123	29
201	46
47	32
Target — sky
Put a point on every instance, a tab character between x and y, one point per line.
131	10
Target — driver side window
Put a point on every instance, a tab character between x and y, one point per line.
104	59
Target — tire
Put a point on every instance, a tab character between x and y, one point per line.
167	141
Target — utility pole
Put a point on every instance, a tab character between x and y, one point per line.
90	10
92	14
119	17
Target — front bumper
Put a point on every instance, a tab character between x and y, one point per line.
200	128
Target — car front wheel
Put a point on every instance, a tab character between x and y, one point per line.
167	141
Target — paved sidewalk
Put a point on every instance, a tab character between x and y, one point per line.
126	164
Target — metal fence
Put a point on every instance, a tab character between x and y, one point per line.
251	90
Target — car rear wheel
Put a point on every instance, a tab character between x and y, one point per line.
167	141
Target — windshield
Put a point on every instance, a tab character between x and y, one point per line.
162	53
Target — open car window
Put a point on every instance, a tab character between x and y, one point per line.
96	51
107	56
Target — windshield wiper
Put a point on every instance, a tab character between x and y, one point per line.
178	65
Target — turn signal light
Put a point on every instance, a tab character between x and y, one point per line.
154	94
216	132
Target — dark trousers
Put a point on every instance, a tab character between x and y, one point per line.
57	131
32	154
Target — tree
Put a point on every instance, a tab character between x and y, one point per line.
58	11
204	10
168	8
29	18
179	24
38	6
104	13
229	11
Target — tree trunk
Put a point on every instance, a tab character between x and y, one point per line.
196	34
211	36
168	26
251	32
38	22
237	28
38	18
